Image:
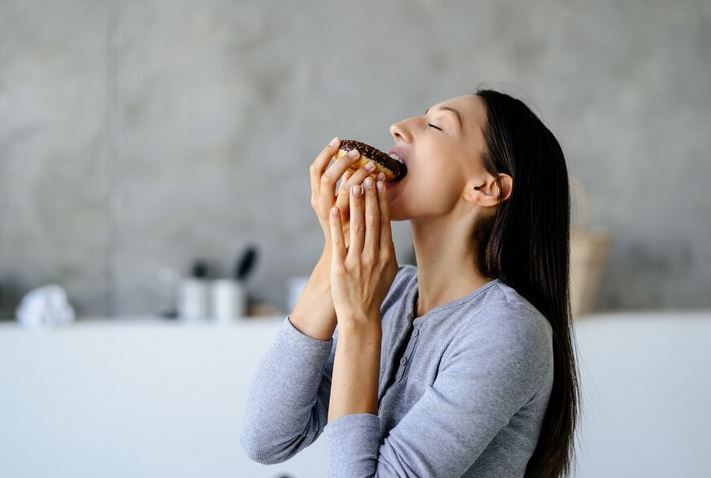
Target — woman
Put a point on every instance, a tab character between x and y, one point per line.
461	366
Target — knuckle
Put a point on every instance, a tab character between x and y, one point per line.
362	174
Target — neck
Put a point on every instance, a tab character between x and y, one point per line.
446	262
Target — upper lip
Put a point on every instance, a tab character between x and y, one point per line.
399	152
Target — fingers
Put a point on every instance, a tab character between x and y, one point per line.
358	176
338	248
372	222
386	234
319	165
344	178
335	172
357	226
355	178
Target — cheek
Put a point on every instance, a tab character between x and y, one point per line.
431	190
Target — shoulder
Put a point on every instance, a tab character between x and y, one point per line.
504	309
510	341
510	326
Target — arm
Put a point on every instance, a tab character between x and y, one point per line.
356	370
314	314
289	394
361	275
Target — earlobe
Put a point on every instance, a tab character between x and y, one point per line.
506	183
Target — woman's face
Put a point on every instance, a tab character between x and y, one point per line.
442	150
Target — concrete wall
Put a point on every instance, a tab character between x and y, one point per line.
137	135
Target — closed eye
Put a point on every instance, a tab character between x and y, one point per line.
435	127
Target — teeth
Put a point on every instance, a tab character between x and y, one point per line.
395	156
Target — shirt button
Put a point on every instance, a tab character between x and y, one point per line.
403	361
415	332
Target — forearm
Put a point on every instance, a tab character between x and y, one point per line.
289	396
287	404
356	370
314	314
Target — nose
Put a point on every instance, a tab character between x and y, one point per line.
399	132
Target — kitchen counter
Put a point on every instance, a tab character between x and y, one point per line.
141	397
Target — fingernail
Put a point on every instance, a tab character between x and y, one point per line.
369	182
381	176
370	166
353	153
356	190
334	141
381	186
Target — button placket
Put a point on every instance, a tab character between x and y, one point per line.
408	352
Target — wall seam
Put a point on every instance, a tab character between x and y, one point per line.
111	149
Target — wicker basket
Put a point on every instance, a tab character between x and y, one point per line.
588	253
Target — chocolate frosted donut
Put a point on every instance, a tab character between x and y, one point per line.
393	169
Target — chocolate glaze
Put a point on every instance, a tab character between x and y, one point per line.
398	168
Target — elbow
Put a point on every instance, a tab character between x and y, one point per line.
260	451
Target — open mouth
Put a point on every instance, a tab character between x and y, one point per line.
394	155
395	184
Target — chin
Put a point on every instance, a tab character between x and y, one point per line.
398	218
393	192
397	211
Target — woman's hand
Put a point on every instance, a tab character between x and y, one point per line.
323	186
363	271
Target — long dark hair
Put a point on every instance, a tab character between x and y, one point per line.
526	245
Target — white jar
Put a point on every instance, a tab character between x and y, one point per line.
193	299
228	300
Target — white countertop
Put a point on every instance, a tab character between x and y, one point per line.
144	396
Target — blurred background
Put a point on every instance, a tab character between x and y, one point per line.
149	148
137	136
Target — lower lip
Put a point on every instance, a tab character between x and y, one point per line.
391	184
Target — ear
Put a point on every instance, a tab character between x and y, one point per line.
485	191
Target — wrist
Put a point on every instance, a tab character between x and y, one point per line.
360	325
326	252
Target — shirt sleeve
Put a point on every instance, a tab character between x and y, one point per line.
287	405
484	379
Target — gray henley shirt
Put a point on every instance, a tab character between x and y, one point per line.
463	390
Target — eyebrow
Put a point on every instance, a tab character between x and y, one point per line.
459	116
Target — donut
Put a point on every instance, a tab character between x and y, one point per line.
393	169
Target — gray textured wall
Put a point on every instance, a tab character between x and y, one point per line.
136	135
